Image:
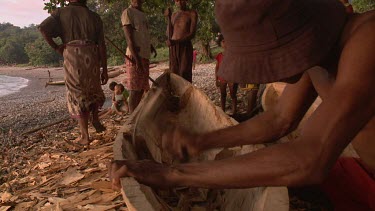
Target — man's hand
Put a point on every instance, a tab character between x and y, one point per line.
104	76
60	49
138	63
145	171
170	42
168	12
180	144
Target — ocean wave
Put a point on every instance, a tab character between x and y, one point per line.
9	84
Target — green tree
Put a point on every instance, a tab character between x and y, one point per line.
111	10
207	26
363	5
13	40
13	52
40	53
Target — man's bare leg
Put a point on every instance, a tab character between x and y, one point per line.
223	95
134	99
83	126
95	120
233	94
251	100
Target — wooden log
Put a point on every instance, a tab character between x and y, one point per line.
46	126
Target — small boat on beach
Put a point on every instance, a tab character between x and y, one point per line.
54	83
140	138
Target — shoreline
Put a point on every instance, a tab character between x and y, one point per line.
30	107
9	87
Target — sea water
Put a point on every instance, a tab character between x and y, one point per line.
9	84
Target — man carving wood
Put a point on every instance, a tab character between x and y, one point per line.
181	30
319	49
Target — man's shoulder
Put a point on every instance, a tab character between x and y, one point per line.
127	10
193	12
133	12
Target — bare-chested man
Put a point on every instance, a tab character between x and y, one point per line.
320	50
181	30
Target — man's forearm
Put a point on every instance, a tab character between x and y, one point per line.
129	39
103	56
268	126
49	40
283	168
260	129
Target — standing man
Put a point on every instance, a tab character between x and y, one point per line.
182	26
139	49
316	47
84	52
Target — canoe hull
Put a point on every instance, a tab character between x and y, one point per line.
196	114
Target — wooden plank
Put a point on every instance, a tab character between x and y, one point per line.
137	197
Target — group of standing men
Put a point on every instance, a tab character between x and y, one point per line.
181	30
85	60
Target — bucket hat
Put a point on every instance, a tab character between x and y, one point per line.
271	40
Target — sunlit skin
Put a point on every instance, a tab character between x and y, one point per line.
223	87
345	115
184	23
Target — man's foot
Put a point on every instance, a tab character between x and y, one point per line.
83	142
79	143
98	127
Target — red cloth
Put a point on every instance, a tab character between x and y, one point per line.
349	9
137	80
350	187
195	53
219	59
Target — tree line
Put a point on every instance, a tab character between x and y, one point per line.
26	45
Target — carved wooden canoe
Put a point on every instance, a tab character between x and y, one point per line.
140	138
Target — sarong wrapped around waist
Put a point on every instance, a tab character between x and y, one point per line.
137	79
181	59
82	77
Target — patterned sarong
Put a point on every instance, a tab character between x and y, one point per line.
82	77
137	80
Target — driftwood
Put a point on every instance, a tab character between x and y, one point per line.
46	126
196	114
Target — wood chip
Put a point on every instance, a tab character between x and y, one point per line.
104	186
101	207
24	206
4	208
5	197
71	176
